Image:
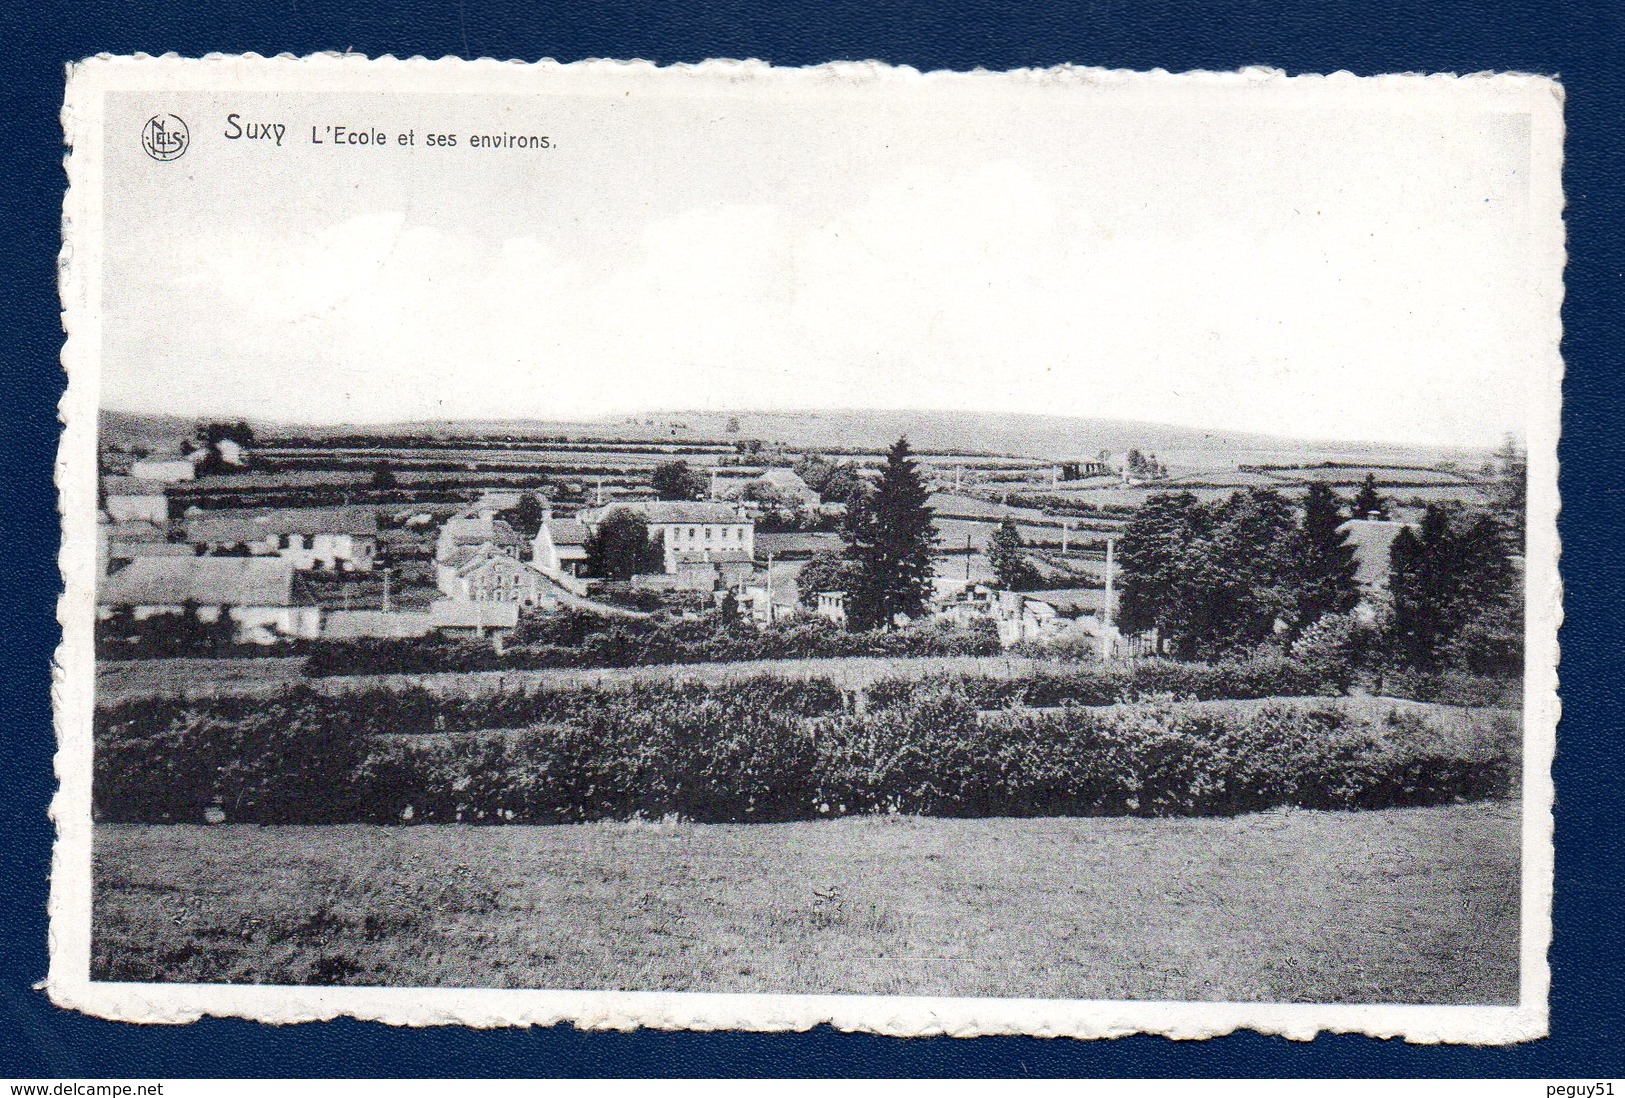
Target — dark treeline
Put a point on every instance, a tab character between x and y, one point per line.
1256	569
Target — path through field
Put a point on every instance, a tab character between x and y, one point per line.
1404	905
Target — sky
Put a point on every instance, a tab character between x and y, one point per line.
1233	262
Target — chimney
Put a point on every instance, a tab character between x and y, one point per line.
547	507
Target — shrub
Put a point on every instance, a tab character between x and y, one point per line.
1260	676
762	749
1453	688
1336	647
576	640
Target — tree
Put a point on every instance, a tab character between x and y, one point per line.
828	570
383	477
621	547
834	481
1010	564
1211	578
1368	503
1242	587
526	518
733	425
1327	566
1452	570
674	480
1509	490
890	539
1152	556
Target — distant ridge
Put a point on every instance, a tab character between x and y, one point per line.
1017	435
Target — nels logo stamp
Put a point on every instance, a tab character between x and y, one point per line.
165	137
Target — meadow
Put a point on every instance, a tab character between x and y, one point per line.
1416	905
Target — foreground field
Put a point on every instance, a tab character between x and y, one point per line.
1404	905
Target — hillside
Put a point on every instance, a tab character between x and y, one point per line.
1047	437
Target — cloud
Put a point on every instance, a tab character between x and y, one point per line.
990	287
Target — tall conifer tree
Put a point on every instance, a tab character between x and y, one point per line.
891	539
1368	503
1327	566
1009	563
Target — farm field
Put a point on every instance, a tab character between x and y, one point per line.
1403	906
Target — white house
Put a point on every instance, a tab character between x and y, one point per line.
484	573
687	527
1050	615
343	539
164	470
264	596
832	605
560	545
131	499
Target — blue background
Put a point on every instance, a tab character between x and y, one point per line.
1578	42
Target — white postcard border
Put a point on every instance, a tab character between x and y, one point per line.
69	984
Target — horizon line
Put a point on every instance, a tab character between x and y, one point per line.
617	418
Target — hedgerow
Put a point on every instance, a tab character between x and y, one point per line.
1108	684
762	749
641	643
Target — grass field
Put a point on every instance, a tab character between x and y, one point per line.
1407	905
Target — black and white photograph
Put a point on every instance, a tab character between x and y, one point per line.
1052	552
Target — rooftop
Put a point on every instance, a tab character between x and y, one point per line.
1075	600
567	532
472	530
1373	541
672	511
207	581
132	486
240	527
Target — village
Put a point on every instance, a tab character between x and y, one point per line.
722	538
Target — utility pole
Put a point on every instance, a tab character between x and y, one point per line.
967	561
386	591
1066	528
599	495
1107	615
770	587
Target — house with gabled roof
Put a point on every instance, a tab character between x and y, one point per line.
560	545
684	526
342	539
484	573
476	526
264	596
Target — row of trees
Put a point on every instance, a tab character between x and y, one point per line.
1218	577
834	481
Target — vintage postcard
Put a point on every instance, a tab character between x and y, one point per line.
1054	552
